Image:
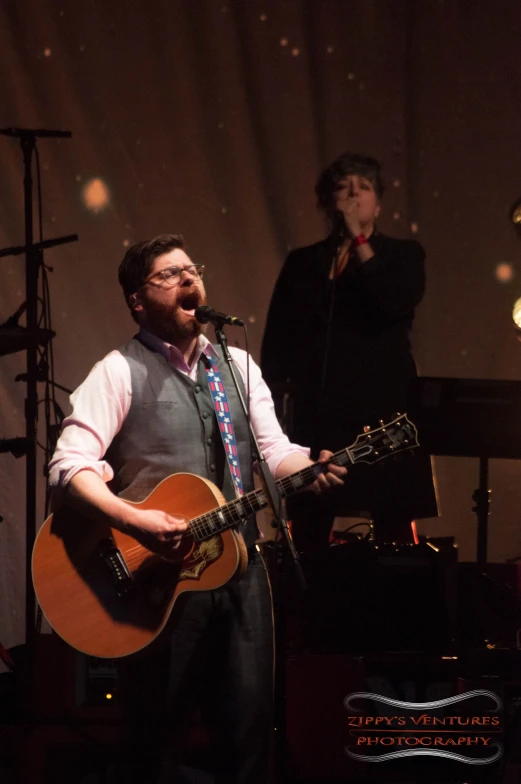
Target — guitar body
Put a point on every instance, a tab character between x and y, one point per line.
106	594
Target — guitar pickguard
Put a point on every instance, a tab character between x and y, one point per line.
201	557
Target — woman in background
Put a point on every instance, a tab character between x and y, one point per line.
337	339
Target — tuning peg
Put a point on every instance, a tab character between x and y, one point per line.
367	428
381	421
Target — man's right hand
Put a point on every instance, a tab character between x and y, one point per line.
156	530
157	525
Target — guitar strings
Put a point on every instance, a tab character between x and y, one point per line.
205	524
201	524
210	520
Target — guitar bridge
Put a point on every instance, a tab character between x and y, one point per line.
115	562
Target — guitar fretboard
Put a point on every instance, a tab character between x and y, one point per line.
237	511
397	435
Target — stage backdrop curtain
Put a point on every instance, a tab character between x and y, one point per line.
213	118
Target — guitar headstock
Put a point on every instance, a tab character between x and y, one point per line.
390	438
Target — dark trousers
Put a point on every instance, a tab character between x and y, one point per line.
219	659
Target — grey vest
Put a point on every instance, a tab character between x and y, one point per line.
171	427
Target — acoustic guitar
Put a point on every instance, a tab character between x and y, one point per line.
108	596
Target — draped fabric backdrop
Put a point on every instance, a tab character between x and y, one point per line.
213	118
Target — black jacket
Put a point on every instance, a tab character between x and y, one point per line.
368	356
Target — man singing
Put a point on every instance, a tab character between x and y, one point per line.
146	412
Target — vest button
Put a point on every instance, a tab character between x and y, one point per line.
205	414
209	441
212	466
197	387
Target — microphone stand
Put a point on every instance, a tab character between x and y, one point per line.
268	483
279	521
338	237
33	262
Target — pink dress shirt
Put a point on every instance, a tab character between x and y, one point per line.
101	403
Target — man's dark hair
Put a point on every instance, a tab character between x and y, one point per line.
348	163
139	260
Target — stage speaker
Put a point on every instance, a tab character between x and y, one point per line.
317	725
365	598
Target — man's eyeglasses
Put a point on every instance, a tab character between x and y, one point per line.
172	275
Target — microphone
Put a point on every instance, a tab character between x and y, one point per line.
205	314
339	225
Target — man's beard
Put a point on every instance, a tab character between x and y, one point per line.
172	323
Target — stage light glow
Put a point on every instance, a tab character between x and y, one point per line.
516	313
504	272
95	195
515	213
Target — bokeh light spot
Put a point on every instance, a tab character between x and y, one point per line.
95	195
295	51
516	312
396	183
330	49
350	76
284	41
504	272
396	216
414	227
47	52
263	17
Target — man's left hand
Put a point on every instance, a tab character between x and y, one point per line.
333	477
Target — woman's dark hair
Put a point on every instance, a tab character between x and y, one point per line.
348	163
139	260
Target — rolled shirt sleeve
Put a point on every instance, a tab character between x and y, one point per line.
99	407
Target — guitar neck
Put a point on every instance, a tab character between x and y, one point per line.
370	447
237	511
